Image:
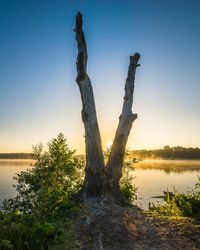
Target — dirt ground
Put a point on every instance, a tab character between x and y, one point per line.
108	226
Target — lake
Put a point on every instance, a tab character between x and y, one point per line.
152	177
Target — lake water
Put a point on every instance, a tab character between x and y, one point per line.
155	176
8	168
152	177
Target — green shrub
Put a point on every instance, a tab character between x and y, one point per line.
28	221
127	188
189	203
26	233
180	204
46	188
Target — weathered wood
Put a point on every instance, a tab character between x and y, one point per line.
99	179
94	153
126	119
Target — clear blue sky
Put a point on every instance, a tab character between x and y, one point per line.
39	96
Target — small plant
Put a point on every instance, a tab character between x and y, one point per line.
180	204
128	191
127	188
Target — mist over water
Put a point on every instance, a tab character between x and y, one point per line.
152	177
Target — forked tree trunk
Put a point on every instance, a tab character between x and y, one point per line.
100	178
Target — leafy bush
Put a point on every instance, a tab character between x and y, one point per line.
45	189
28	221
27	233
182	204
127	188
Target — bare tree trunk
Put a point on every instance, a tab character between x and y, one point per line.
94	153
126	119
99	178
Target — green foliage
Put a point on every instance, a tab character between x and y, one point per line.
28	221
181	204
127	188
25	232
46	188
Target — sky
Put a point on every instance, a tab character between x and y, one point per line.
39	97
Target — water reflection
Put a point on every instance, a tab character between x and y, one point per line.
8	169
15	163
169	167
152	177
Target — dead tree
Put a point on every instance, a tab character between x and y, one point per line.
99	178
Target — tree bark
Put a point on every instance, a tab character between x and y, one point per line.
100	179
126	119
94	170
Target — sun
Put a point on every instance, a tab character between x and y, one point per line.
109	144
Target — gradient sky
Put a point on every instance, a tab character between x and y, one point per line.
39	96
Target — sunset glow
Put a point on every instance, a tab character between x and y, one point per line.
109	144
39	96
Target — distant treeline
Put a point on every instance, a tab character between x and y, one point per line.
168	153
15	156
